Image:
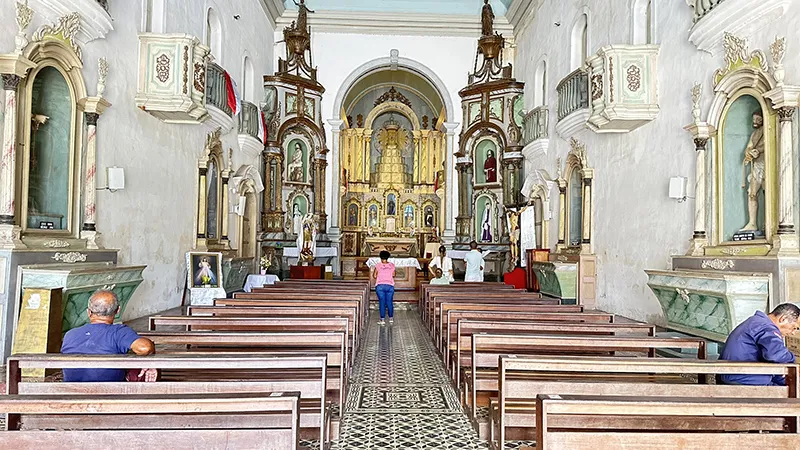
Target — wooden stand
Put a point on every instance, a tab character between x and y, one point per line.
307	272
531	255
39	326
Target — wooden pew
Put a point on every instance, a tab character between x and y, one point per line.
488	297
522	378
484	362
240	421
331	344
440	332
576	423
459	344
189	374
426	288
284	299
425	303
350	314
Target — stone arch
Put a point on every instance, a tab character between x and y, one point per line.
389	107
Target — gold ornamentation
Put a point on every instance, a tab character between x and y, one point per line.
185	69
611	79
718	264
778	49
200	78
697	92
102	74
393	96
24	16
733	251
56	243
70	257
736	52
65	29
597	86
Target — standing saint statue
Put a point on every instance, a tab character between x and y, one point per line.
302	16
296	169
487	19
486	224
513	219
490	167
307	239
754	156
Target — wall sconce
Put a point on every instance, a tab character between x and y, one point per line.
115	177
677	189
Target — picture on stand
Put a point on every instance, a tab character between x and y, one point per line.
205	270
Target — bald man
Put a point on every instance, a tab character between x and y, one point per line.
101	336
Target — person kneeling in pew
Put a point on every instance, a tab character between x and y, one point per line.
101	336
760	339
441	278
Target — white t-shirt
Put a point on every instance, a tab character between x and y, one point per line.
445	264
475	264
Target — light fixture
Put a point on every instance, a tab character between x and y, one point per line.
677	189
115	179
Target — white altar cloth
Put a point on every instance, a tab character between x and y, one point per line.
322	252
460	254
398	262
257	281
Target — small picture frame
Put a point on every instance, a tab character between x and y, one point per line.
204	270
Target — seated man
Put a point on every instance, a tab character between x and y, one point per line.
760	339
101	336
440	276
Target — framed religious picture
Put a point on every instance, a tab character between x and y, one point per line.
204	269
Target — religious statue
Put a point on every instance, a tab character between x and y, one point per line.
490	167
429	217
297	219
754	156
307	239
513	219
270	104
408	216
486	224
352	216
296	171
302	15
487	19
391	205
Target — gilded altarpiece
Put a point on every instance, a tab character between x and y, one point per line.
744	254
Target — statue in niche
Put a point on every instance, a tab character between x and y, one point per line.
486	223
372	219
490	167
270	105
391	205
352	215
754	182
408	216
297	219
296	165
428	217
487	19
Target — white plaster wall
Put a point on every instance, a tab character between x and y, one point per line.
338	55
152	221
636	225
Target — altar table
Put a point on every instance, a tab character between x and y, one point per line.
406	276
257	281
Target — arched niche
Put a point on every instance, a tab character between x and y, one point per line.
540	84
579	41
537	189
299	153
298	205
213	33
486	157
740	90
52	133
643	22
389	107
212	196
576	205
352	217
247	186
486	212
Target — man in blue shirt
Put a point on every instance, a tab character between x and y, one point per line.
101	336
760	339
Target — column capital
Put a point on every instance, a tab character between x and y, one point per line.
91	118
11	81
336	124
93	105
451	127
700	143
786	113
701	130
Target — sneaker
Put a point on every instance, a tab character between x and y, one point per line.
391	320
381	322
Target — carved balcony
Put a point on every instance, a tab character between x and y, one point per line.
249	141
712	18
573	103
95	22
534	125
172	77
219	111
624	90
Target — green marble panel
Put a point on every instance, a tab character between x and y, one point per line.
234	273
559	280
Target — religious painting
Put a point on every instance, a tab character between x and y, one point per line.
352	215
309	108
297	161
299	210
486	162
575	202
349	241
743	171
485	223
518	112
496	108
205	269
372	216
50	162
429	218
391	204
291	103
408	216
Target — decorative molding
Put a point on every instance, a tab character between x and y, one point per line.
70	257
742	17
733	251
102	74
718	264
684	294
736	53
95	22
65	29
392	95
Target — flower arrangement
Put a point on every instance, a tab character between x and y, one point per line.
265	263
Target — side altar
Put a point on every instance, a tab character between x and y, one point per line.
744	253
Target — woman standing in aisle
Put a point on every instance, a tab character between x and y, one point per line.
383	274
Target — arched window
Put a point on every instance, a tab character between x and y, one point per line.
540	84
248	80
214	33
580	41
153	16
643	22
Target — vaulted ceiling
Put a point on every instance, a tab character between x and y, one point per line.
471	7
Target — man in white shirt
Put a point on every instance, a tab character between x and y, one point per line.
474	260
444	263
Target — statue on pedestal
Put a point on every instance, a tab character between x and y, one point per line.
487	19
307	240
754	157
302	16
514	236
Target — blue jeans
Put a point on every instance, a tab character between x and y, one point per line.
385	299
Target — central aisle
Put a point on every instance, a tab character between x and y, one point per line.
400	396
